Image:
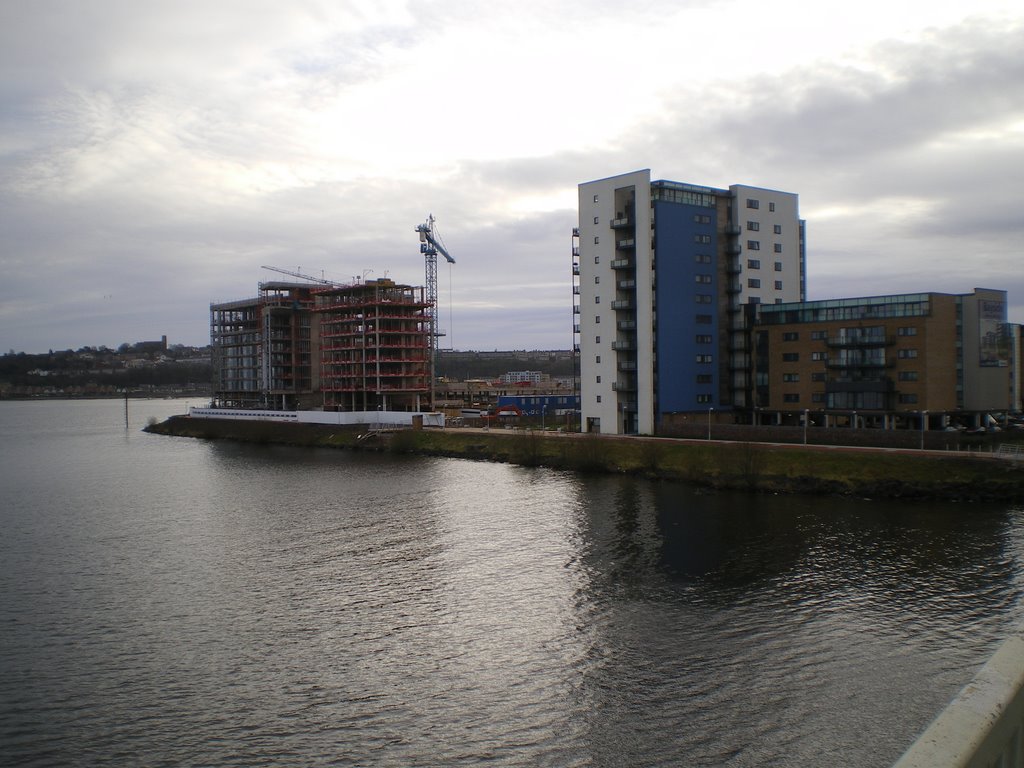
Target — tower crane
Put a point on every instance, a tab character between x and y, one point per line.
430	246
299	274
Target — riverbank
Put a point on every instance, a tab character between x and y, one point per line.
863	473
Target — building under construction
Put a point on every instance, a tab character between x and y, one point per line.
300	346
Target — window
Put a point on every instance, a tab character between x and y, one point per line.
703	399
819	335
599	398
771	207
754	226
597	318
705	378
790	357
819	376
908	375
598	379
778	285
703	239
818	397
595	198
910	330
753	263
699	218
703	298
597	279
597	299
819	357
753	245
597	259
906	354
704	320
777	247
596	239
752	203
777	229
908	398
753	282
791	397
703	359
791	336
705	279
791	377
595	219
597	339
778	266
703	258
703	338
597	358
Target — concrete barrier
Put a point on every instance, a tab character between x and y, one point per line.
983	727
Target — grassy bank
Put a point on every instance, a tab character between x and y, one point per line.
747	466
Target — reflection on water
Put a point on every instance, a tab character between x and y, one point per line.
166	600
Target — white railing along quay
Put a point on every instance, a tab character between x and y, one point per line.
983	727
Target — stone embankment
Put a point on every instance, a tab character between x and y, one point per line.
748	466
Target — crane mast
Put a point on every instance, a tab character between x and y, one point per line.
430	246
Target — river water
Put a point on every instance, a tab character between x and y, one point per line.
169	601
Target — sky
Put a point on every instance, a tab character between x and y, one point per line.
154	156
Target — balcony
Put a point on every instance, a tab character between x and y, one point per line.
623	346
627	365
626	244
734	268
867	364
576	270
733	249
733	286
622	304
626	285
623	386
860	341
626	325
622	222
575	290
733	230
575	309
622	264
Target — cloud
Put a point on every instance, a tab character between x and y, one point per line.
165	155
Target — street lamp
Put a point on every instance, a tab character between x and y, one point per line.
709	422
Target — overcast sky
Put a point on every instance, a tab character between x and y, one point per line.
153	155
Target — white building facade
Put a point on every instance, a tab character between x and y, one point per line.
662	272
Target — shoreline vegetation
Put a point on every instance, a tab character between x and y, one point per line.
744	466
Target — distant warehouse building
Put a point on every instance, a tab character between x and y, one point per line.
878	360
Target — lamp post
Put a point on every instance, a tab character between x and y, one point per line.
924	426
709	422
806	419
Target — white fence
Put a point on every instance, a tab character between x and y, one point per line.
345	418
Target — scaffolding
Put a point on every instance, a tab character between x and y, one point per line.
374	346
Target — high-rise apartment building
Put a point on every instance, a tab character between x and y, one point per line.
662	273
